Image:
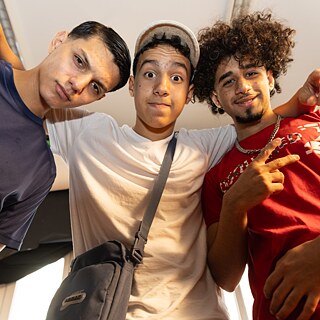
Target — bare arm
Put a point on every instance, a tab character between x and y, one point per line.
7	54
227	240
305	99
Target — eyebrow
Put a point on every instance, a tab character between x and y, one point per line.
225	75
229	73
85	56
156	63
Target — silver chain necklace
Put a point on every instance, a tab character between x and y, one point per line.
273	134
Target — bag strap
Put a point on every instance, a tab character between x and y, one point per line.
160	181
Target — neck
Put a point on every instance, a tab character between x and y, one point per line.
153	134
245	130
27	84
272	136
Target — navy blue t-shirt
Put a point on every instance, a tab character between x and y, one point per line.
27	167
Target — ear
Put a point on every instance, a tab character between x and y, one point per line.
270	79
57	40
131	86
215	100
190	93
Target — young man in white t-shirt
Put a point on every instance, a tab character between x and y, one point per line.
113	168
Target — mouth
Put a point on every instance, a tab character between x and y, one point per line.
62	92
245	101
159	104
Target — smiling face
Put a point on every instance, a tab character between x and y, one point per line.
160	90
76	72
243	91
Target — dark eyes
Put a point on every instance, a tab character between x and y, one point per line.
151	75
79	61
176	78
251	73
97	89
228	82
248	75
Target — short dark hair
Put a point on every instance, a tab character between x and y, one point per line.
113	42
174	42
255	37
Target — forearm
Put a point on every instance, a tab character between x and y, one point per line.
7	54
305	99
227	254
294	107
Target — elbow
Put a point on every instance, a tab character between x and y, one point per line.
227	281
228	286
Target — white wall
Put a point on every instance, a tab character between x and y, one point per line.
36	21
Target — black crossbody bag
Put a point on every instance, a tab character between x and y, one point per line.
99	283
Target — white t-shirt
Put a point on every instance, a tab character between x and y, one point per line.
112	171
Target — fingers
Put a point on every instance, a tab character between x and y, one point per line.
267	150
282	303
286	293
281	307
309	308
271	283
277	163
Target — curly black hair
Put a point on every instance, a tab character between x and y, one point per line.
255	37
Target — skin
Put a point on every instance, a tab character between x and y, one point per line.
160	90
244	94
296	275
73	74
157	111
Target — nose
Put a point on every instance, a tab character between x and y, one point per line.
162	86
78	84
243	85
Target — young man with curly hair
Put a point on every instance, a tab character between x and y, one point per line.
279	238
113	168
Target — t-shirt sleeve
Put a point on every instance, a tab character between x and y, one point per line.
64	126
221	143
211	198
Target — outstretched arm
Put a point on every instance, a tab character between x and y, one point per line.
305	99
7	54
227	239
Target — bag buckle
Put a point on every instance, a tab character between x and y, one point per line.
138	246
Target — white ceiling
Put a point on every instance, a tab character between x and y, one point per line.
36	21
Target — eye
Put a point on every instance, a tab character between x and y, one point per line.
149	74
251	74
79	61
176	78
228	82
97	90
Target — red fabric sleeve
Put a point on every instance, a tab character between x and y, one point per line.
211	198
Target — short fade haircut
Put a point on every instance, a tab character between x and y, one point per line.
113	41
255	37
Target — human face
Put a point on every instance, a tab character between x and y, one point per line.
160	89
77	72
243	92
